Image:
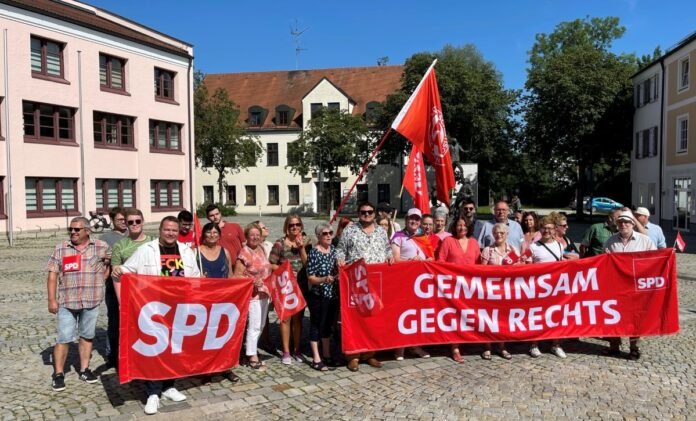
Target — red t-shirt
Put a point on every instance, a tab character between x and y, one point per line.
186	239
232	239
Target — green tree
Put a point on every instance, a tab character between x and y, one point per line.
579	105
333	139
478	112
223	144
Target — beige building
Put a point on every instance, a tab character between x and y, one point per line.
82	127
277	106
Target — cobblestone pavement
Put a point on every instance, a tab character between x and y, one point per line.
586	385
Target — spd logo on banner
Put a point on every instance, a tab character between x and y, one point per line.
285	292
364	293
177	327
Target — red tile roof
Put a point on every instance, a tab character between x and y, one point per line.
87	18
270	89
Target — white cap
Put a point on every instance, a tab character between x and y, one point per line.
642	211
627	215
414	211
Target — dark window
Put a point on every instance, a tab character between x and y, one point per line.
283	118
293	195
638	149
272	154
362	193
50	196
51	123
372	111
647	91
112	72
113	130
111	193
255	118
164	84
208	194
334	106
383	193
165	136
3	214
314	109
273	195
165	194
46	58
231	195
653	141
250	195
289	157
646	143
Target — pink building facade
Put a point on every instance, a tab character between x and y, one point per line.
95	112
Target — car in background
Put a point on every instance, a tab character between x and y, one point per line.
602	204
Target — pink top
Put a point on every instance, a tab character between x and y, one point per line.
492	256
257	267
451	251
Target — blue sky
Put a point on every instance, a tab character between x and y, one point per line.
244	36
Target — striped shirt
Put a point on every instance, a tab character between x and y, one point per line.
84	288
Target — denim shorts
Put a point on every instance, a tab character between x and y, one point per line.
85	320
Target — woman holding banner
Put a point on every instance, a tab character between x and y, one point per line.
292	248
253	263
547	250
322	271
461	249
407	245
500	253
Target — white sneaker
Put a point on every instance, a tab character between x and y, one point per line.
152	405
534	352
399	354
558	351
173	395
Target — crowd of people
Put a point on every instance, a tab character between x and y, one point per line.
78	268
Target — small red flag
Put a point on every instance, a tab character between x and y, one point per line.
415	181
679	242
285	291
196	232
511	258
421	122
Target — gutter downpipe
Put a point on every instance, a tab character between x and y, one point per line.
662	128
8	143
190	135
82	134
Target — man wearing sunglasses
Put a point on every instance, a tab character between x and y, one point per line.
120	252
468	211
369	241
76	272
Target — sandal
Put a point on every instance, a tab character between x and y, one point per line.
504	354
486	355
319	366
232	377
256	365
457	356
634	355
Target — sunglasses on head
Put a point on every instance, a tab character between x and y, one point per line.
366	212
135	222
71	229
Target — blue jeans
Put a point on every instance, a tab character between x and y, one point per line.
83	322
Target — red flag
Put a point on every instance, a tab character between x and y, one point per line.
421	122
197	240
511	258
178	327
364	293
285	292
415	181
679	242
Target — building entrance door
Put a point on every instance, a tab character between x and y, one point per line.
327	192
682	204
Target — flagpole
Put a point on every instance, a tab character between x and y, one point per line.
364	168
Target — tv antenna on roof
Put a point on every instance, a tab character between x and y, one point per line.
296	32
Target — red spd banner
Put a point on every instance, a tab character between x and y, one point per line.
285	292
362	293
176	327
622	294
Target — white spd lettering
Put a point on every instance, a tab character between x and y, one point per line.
189	320
651	282
69	267
360	275
291	300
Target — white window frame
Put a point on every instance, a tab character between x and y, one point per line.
680	76
680	119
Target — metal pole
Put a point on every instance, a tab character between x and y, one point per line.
82	132
190	137
8	142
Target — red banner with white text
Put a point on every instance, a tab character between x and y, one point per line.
175	327
285	292
422	303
